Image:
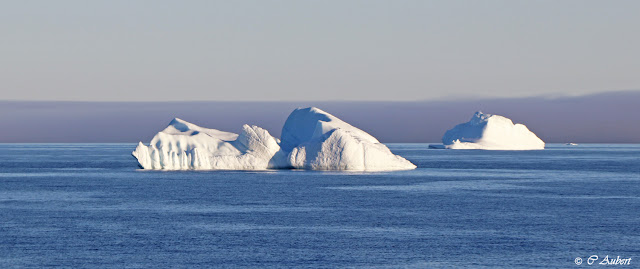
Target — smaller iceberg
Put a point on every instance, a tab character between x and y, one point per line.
491	132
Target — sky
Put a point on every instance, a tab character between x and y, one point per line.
350	50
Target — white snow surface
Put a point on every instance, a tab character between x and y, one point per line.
491	132
311	139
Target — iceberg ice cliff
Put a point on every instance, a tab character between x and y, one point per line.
491	132
311	139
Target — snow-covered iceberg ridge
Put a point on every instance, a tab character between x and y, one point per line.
311	139
491	132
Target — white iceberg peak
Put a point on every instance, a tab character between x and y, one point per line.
306	124
492	132
479	118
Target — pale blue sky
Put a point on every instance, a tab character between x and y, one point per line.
315	50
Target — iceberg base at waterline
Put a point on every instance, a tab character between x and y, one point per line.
312	139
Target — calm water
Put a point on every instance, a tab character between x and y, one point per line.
88	205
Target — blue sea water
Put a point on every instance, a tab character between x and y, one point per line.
88	205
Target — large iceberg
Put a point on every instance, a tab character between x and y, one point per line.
491	132
311	139
318	140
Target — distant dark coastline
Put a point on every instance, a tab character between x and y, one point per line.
599	118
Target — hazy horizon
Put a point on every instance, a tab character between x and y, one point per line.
605	118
